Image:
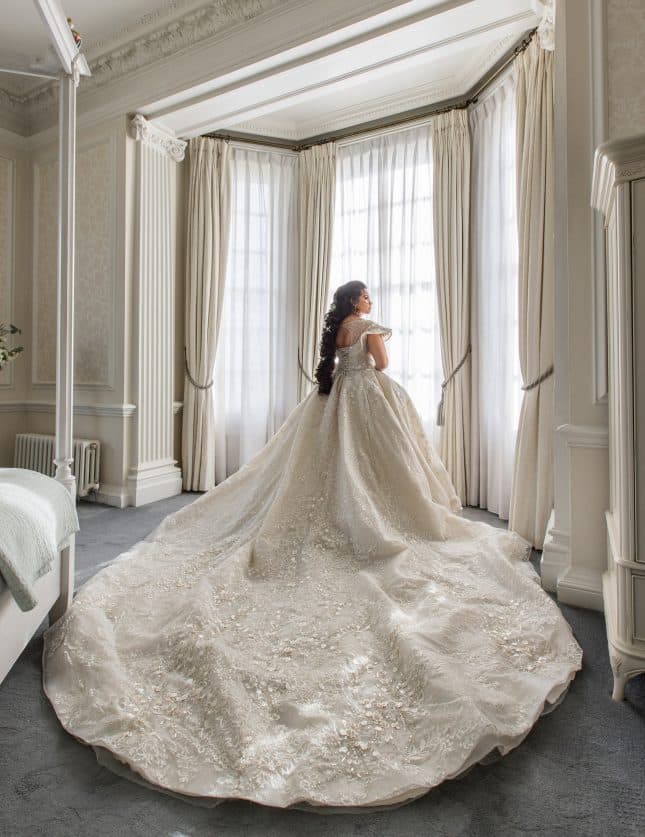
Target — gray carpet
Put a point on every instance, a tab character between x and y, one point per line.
579	772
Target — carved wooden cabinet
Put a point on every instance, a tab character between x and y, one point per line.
619	193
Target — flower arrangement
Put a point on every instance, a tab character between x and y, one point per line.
8	353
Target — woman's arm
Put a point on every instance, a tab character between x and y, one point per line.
376	347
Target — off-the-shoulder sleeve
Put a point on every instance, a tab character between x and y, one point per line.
375	328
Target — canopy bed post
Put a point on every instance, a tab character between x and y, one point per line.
63	458
65	279
43	586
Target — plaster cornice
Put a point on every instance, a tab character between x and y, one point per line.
151	135
615	162
196	26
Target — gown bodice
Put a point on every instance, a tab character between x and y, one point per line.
355	358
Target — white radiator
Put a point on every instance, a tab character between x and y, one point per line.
36	452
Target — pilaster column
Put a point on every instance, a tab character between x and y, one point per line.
575	549
153	473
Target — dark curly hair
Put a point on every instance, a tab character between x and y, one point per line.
345	298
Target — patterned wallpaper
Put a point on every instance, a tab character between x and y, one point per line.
94	275
6	249
626	67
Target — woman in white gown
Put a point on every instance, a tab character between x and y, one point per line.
322	628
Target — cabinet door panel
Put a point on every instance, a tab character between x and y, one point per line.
638	320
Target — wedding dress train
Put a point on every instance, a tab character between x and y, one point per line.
321	628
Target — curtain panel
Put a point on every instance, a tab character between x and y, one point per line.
255	372
316	178
383	237
532	488
496	376
206	253
451	204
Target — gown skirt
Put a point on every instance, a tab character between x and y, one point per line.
323	628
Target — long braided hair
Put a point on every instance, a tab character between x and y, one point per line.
345	298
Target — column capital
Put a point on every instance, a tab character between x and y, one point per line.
144	131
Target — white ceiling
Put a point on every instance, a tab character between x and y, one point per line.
426	51
409	55
105	26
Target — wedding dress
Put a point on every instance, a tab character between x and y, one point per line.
322	628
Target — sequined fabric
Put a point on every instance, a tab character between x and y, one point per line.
321	628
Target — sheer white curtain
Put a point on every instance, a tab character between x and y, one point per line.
256	370
383	237
496	376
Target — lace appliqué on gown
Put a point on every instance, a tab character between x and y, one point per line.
322	627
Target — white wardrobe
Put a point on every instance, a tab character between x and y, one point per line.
619	193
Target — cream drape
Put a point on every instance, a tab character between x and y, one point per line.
317	178
451	207
206	253
532	486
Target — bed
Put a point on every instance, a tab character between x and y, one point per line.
54	592
51	593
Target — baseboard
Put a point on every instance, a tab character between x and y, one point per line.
556	556
581	587
112	495
147	485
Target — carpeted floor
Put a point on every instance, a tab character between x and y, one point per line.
579	772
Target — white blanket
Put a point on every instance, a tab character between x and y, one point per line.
37	517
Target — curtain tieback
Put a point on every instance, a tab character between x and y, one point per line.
539	379
440	409
311	380
190	377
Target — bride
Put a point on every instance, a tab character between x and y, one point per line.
322	628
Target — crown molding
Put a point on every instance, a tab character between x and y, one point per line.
182	33
615	162
154	137
342	117
413	97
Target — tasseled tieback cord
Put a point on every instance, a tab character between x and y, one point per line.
210	383
311	380
190	377
539	379
440	415
440	411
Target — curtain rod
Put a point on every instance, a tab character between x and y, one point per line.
456	103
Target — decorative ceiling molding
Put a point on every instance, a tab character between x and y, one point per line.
615	162
424	94
180	34
195	116
481	63
151	135
377	108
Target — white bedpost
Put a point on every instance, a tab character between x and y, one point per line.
65	279
65	317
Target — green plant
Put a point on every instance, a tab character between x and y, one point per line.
8	353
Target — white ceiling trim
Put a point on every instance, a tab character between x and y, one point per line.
243	104
379	108
192	50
